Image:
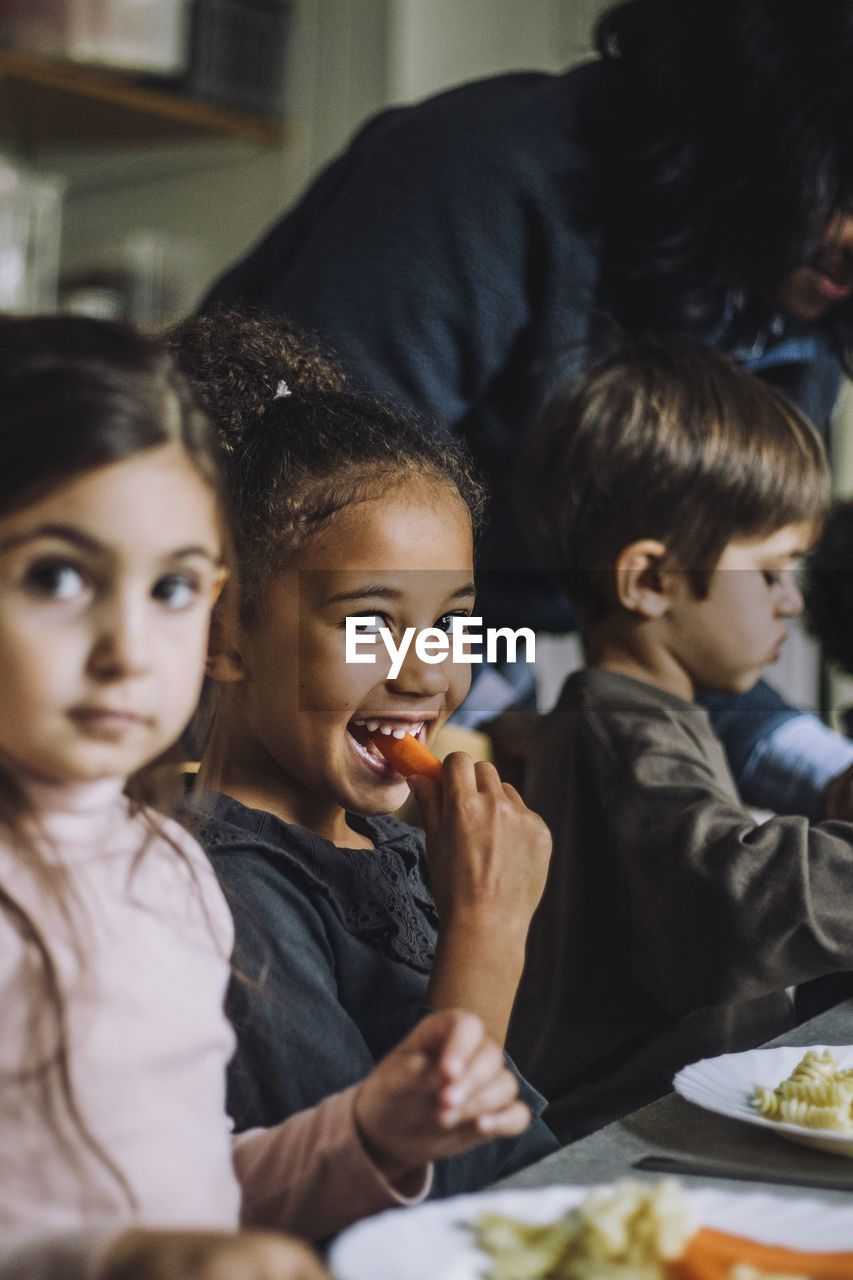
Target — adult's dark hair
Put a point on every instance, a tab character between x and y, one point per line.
664	439
828	587
723	145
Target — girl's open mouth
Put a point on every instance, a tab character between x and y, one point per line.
363	732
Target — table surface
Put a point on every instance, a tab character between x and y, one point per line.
676	1128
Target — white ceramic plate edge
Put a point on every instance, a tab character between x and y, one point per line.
432	1241
724	1085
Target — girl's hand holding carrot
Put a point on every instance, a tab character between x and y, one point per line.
443	1090
487	851
488	858
145	1254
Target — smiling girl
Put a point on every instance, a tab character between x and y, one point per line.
351	924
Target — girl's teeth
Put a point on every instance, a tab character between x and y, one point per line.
374	726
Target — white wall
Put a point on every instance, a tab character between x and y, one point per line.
437	43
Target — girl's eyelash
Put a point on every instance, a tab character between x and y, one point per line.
177	589
381	618
772	577
448	618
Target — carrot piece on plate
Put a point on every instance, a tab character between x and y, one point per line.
709	1247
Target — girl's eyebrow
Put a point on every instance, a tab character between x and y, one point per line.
365	593
378	592
785	557
63	532
67	533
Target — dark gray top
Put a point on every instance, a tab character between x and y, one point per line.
333	952
671	922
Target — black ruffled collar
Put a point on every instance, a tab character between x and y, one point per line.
381	896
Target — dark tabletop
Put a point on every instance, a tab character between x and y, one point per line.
673	1128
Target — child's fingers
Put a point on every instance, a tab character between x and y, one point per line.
495	1094
508	1122
427	793
459	777
488	779
450	1038
466	1035
485	1082
512	794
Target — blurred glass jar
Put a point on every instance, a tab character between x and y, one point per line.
139	35
149	277
30	233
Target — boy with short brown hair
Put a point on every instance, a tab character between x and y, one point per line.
673	495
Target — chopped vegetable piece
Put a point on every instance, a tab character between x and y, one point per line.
711	1246
408	756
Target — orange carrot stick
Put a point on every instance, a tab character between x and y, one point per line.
408	756
710	1245
698	1267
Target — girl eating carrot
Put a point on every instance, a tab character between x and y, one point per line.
350	925
118	1160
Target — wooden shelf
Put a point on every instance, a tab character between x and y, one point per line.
46	102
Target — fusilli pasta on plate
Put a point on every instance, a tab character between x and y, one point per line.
802	1092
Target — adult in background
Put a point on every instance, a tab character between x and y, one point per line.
464	254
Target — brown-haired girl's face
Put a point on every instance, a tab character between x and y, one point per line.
106	586
404	557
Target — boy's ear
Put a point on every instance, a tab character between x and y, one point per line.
224	660
641	578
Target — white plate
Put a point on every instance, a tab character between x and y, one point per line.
434	1242
725	1084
